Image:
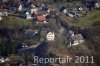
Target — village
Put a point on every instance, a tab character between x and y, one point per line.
31	28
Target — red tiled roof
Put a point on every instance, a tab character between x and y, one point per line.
41	18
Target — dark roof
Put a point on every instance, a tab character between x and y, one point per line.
62	8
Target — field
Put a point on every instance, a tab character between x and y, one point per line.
89	19
11	22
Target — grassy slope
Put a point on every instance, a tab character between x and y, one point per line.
11	22
89	19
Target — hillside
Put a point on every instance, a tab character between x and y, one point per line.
51	32
89	19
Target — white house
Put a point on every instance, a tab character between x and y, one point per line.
28	16
48	10
33	6
74	39
97	5
65	11
78	39
70	15
50	36
20	8
80	8
7	59
3	12
2	60
0	18
34	10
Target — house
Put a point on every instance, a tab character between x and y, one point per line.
7	59
71	15
20	8
3	12
42	18
2	60
97	5
28	15
69	36
0	18
34	10
50	36
65	11
33	6
71	32
74	39
78	39
80	9
62	8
